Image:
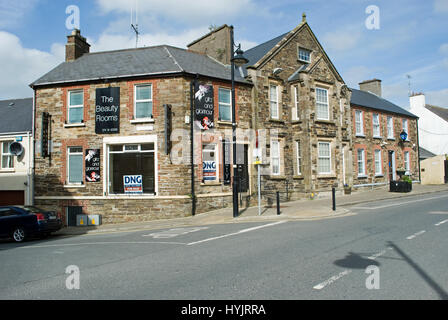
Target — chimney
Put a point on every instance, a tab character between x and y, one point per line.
76	46
373	86
215	44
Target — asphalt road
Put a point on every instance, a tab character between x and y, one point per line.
402	243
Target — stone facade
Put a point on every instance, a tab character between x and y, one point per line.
172	197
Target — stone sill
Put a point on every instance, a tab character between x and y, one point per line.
377	137
137	121
74	186
328	176
298	177
74	125
225	123
363	176
360	136
296	121
325	121
393	139
279	177
211	184
276	120
7	171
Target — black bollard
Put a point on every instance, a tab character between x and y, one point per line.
333	193
278	203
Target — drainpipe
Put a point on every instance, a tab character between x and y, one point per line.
418	154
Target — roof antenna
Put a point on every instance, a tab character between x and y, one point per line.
135	26
409	84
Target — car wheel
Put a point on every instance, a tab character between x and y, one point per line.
18	234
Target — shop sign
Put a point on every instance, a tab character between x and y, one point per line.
203	107
107	111
92	160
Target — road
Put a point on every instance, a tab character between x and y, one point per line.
395	249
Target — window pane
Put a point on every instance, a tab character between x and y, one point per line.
224	113
147	147
274	93
76	98
143	109
75	115
6	147
224	96
75	168
324	149
143	93
274	110
124	164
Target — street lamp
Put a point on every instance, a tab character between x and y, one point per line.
237	59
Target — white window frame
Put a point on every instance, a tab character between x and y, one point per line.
299	157
81	106
225	104
295	109
361	161
376	125
216	151
320	157
275	145
143	100
275	102
321	104
129	140
68	164
405	128
407	162
305	58
359	123
9	156
378	162
390	128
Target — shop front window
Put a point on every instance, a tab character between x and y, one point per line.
134	162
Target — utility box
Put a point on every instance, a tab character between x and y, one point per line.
81	220
94	220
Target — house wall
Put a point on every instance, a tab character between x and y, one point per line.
433	130
370	143
307	129
173	171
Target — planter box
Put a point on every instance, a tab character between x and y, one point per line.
400	186
347	190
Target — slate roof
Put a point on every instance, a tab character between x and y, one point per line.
16	115
370	100
441	112
425	154
256	53
157	60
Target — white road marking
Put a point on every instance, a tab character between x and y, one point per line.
236	233
97	243
416	235
441	222
399	204
173	232
322	285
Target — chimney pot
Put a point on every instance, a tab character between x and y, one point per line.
76	46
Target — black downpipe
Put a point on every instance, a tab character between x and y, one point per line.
193	196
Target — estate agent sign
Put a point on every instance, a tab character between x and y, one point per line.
107	111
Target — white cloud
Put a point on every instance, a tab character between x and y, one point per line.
343	39
21	66
438	98
441	6
354	75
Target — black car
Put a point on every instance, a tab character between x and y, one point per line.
20	222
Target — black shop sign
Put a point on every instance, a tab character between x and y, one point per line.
92	161
204	114
107	111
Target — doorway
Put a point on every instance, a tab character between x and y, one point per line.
242	160
391	165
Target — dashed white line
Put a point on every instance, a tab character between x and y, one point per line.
441	222
416	235
236	233
398	203
322	285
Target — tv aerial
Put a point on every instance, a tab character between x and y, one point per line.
134	26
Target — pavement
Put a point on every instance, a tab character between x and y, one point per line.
318	208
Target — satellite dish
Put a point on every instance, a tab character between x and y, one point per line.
16	149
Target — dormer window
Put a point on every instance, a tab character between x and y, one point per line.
304	55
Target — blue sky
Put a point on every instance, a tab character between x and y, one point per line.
412	38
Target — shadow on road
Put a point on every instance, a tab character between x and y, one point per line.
438	289
355	261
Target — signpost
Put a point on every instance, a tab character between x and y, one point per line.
257	156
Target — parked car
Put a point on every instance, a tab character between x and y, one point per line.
21	222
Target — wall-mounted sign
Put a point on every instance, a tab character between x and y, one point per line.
403	136
92	160
204	114
209	170
133	184
45	134
107	111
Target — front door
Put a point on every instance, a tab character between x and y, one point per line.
242	167
446	171
391	165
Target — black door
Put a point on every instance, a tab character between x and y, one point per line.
242	167
391	165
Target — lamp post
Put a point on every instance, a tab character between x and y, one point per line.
237	59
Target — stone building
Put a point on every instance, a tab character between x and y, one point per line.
378	149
